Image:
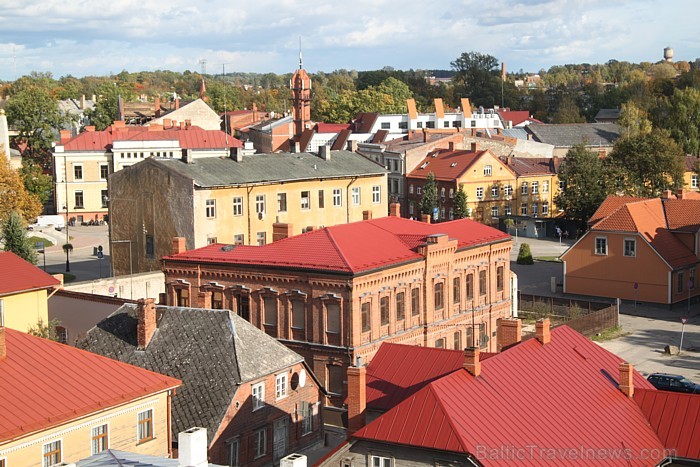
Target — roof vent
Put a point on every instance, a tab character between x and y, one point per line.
228	247
454	164
425	164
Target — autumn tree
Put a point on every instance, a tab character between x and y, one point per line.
13	194
36	182
634	120
460	203
568	111
429	200
14	238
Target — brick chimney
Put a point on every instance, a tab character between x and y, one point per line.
156	106
188	123
65	136
281	230
357	397
510	332
681	194
471	361
146	311
425	218
542	331
366	215
451	146
626	379
474	147
426	135
395	210
90	128
177	103
167	123
667	194
179	245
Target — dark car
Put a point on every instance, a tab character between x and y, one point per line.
675	383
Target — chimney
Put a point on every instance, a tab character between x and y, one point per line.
65	136
186	156
542	331
147	321
626	379
471	361
167	123
510	332
90	128
426	136
177	103
82	102
681	194
237	154
281	230
425	218
94	99
3	343
188	123
353	146
366	215
179	245
395	210
325	152
666	194
357	396
475	147
192	448
182	125
451	146
156	106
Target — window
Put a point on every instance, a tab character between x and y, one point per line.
260	442
403	125
442	193
99	439
145	426
321	204
238	239
456	292
439	300
630	247
419	190
523	188
306	420
430	124
523	209
482	282
261	238
365	316
487	170
480	192
376	194
419	124
508	190
333	317
440	343
281	386
545	186
52	453
298	314
305	200
211	240
694	181
183	297
386	125
78	172
104	196
378	461
680	281
601	245
104	171
535	208
356	196
384	310
442	213
234	452
507	210
410	188
282	201
337	197
400	306
561	185
499	278
270	305
483	336
545	208
237	206
260	204
79	200
335	379
258	395
451	214
452	193
411	207
535	188
446	124
415	301
470	286
61	335
211	208
494	191
691	278
457	341
494	211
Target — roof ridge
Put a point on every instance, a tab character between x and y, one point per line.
448	413
337	248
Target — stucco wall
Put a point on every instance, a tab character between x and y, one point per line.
24	310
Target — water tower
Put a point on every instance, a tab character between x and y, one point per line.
668	54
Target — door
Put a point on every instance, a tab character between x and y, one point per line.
279	439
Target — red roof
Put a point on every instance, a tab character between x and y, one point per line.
44	384
515	116
18	275
610	205
563	395
331	127
193	137
445	164
344	248
675	417
523	166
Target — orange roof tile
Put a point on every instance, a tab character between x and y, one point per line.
610	205
18	275
45	384
445	164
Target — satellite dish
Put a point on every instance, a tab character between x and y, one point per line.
302	378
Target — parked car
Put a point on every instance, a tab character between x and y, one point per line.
675	383
58	222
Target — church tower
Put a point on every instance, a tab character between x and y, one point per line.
301	98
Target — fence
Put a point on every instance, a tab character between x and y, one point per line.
586	317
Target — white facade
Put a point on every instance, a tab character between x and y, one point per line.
400	124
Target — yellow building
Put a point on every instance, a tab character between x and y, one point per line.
60	404
537	186
690	176
236	200
24	290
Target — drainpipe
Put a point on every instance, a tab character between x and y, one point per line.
250	210
347	200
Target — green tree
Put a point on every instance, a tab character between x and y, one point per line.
429	200
14	238
13	194
650	163
633	120
568	111
35	180
460	203
585	185
477	77
684	119
525	255
46	331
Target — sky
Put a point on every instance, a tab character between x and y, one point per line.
103	37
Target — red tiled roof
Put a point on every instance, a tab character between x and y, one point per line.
331	127
344	248
515	116
17	275
44	384
563	395
446	165
691	162
683	214
523	166
675	418
610	205
364	121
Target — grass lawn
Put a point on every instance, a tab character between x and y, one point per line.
608	334
547	258
47	243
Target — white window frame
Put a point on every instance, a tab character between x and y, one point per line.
494	191
545	186
337	197
535	209
60	449
535	187
380	461
488	170
545	208
210	208
282	202
259	204
101	166
356	196
480	192
281	386
82	172
257	394
92	436
260	448
508	210
694	181
306	200
419	190
410	189
633	241
508	190
237	205
523	188
494	211
376	194
307	425
604	250
523	209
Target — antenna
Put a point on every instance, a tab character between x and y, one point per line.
203	64
300	61
223	78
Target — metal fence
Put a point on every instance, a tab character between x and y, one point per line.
586	317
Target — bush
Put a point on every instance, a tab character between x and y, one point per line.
524	255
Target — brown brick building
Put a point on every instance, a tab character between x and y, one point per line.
336	293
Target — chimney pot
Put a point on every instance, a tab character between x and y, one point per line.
366	215
425	218
65	136
357	397
82	102
179	245
325	152
626	379
510	332
395	210
146	309
471	361
542	331
192	446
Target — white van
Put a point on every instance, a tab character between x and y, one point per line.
57	221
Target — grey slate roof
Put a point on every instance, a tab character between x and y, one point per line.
607	114
211	351
571	134
114	458
519	133
267	168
